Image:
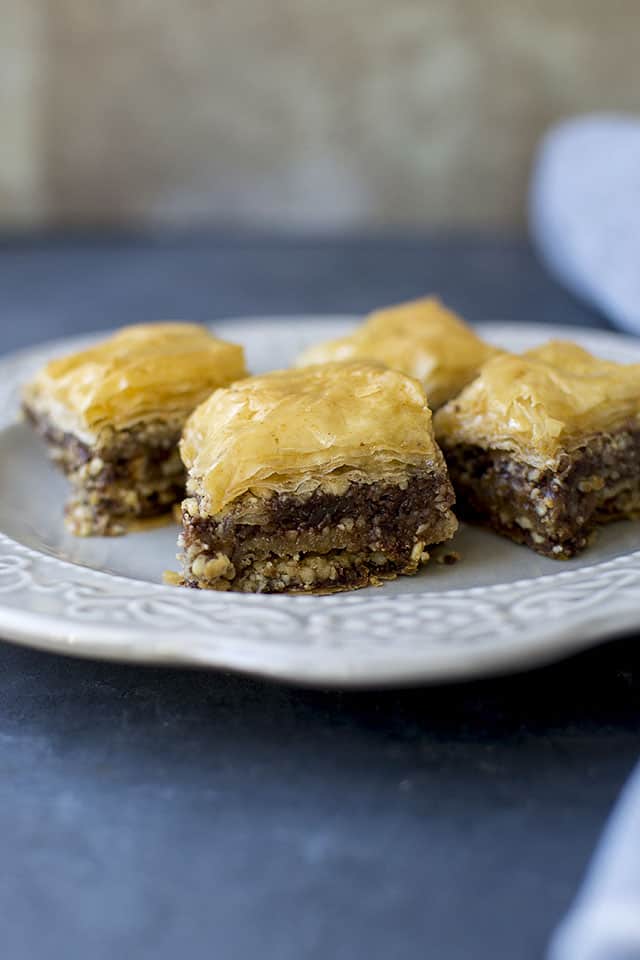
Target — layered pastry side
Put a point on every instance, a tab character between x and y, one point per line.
422	338
112	417
315	480
543	447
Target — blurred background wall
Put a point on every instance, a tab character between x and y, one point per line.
295	112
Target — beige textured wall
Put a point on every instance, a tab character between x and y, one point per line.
314	112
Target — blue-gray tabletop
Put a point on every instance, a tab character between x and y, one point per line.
160	813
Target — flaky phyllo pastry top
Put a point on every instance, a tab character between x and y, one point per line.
297	429
149	371
550	399
422	338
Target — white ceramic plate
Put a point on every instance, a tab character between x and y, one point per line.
501	608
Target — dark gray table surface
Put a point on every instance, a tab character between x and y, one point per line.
161	813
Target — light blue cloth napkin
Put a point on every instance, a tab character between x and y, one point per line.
584	211
604	922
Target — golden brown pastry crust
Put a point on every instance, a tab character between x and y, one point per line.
147	371
293	430
422	339
547	400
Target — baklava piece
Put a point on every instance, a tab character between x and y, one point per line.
543	447
112	417
421	338
314	480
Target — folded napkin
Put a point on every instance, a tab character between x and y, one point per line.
604	922
584	212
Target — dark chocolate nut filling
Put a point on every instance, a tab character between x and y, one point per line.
552	511
127	475
321	541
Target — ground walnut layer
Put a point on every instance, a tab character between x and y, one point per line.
320	542
126	476
554	510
